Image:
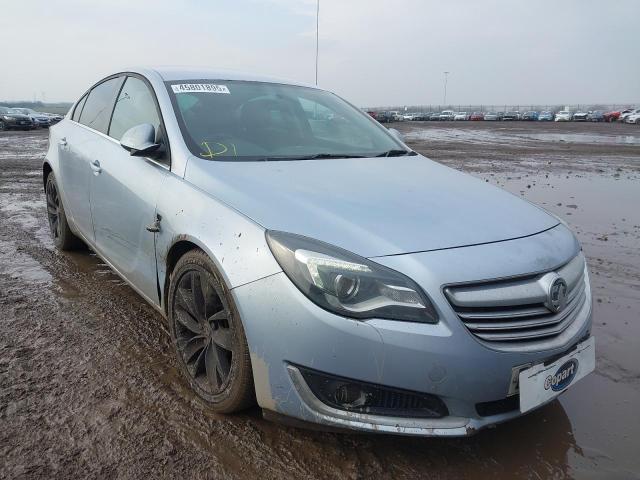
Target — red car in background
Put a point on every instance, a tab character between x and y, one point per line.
477	116
615	115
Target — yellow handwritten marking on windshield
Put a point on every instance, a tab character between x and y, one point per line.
211	153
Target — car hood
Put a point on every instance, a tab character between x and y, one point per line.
373	206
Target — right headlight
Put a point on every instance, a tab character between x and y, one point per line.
347	284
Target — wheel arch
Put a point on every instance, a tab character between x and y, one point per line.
180	245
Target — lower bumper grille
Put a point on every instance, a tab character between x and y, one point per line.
361	397
497	407
521	309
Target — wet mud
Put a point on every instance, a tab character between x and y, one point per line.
89	386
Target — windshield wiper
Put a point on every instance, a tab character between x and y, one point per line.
396	153
315	156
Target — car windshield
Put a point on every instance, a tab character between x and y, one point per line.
15	110
246	120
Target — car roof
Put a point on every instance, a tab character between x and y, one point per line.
175	73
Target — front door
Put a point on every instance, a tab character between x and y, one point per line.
124	190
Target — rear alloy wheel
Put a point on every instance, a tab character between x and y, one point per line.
208	335
63	237
2	126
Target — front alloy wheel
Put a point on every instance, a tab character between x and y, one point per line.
208	335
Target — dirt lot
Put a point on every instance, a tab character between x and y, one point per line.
88	382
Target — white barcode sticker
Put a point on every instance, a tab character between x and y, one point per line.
199	88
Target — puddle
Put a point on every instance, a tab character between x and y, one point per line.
21	266
512	136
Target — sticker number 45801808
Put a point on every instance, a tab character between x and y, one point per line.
199	88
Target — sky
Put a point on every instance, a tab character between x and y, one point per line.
371	52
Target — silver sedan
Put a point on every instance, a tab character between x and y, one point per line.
309	261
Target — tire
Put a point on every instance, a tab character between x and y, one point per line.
208	336
63	237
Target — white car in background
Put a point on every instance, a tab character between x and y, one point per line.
625	114
563	116
633	117
461	116
397	116
447	115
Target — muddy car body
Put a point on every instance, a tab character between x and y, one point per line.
321	283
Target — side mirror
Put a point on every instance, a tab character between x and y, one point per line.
140	140
397	134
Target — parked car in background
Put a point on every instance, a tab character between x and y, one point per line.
475	116
492	116
385	117
615	115
397	116
580	116
434	116
545	116
324	271
511	116
14	120
372	114
625	113
596	116
633	117
38	119
54	118
410	117
447	115
461	116
563	116
530	115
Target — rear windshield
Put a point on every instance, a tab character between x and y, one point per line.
242	120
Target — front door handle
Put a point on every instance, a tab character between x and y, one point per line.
63	142
95	166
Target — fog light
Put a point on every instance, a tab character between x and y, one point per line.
350	395
362	397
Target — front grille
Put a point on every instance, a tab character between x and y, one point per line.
517	310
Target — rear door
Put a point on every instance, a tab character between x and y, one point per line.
124	191
77	139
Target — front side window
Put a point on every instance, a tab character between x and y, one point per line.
135	105
97	108
242	120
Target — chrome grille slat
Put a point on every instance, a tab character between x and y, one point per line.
518	325
515	310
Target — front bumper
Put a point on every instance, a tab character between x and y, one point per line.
285	329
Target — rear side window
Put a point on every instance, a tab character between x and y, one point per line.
97	108
78	110
135	105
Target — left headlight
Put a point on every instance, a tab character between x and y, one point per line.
347	284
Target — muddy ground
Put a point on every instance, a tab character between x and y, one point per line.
89	386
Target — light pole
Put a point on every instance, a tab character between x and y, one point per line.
317	29
446	75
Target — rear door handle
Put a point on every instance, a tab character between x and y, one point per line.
63	141
95	166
